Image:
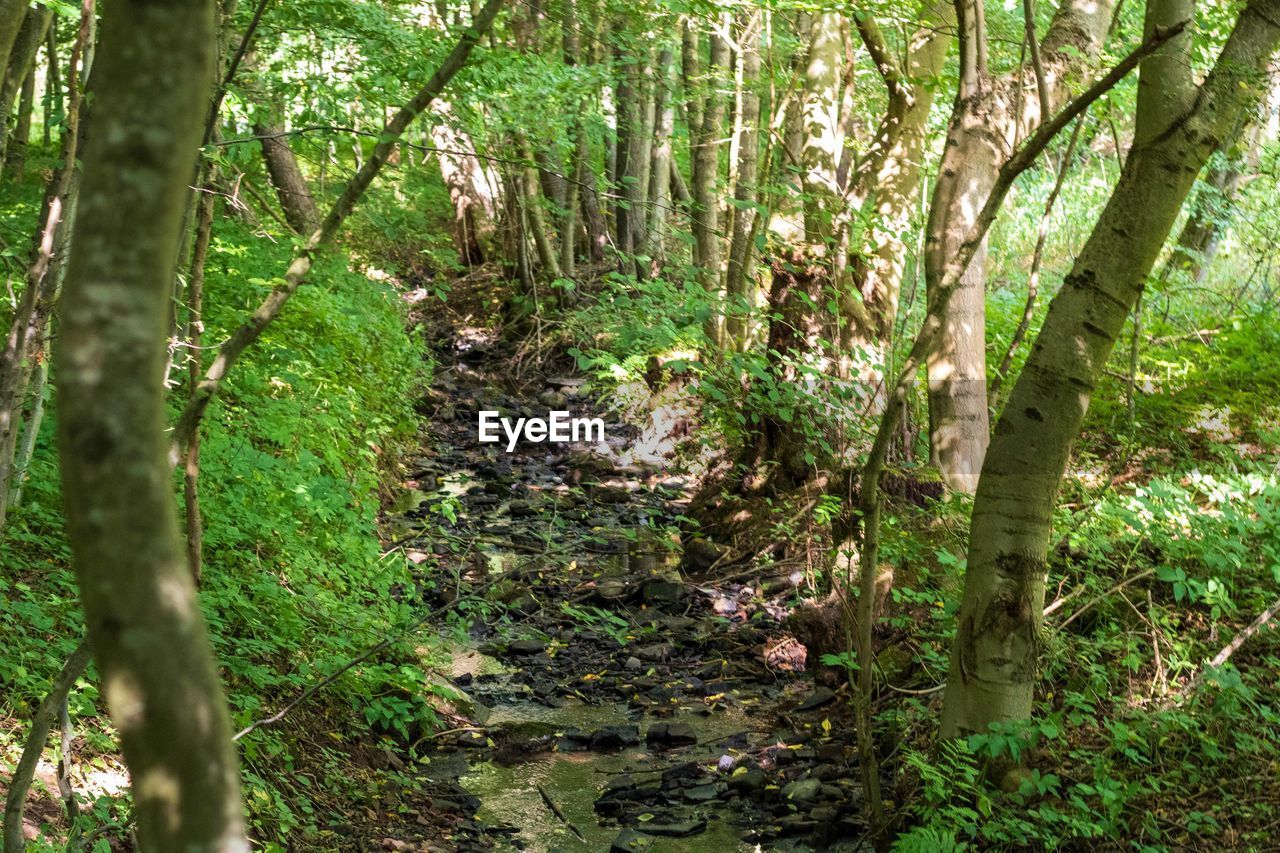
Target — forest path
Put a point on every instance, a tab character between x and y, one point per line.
617	705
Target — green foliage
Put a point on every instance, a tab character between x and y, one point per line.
294	582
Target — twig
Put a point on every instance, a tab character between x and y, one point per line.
275	718
1093	601
555	810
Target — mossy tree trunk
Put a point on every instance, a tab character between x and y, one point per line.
158	671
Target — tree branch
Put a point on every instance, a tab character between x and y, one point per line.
251	329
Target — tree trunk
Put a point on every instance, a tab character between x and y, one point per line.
994	657
135	589
12	15
886	187
706	172
22	58
990	115
291	188
464	177
823	140
662	162
16	159
738	280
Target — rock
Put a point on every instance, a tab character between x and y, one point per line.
616	737
634	663
749	782
670	734
701	553
656	651
610	495
819	697
611	590
802	790
574	740
630	841
682	829
527	647
700	793
472	740
521	509
658	591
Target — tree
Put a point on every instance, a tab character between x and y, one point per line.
137	594
994	656
989	116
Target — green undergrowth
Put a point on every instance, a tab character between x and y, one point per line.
295	455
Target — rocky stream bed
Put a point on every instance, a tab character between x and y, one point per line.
624	703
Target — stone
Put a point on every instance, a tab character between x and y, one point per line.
819	697
670	734
749	782
682	829
521	509
802	790
658	591
527	647
630	841
700	793
616	737
634	663
472	740
655	651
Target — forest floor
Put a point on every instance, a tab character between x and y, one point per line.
619	703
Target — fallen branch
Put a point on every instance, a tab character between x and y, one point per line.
1223	656
555	810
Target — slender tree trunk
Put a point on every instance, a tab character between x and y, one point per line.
15	840
532	202
820	106
291	188
296	274
52	102
989	116
22	58
738	280
994	657
706	173
12	15
135	589
43	277
16	159
662	163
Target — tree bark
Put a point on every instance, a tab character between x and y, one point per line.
823	140
135	589
706	173
22	58
994	657
16	158
989	117
662	162
738	281
885	187
290	184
